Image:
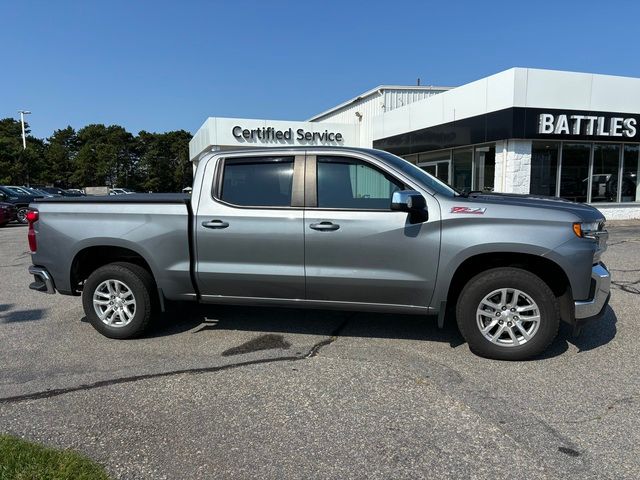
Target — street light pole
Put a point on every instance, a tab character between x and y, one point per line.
24	137
24	140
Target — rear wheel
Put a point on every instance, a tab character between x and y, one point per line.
507	314
3	224
119	300
22	214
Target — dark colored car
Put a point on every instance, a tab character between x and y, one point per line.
7	213
60	191
21	202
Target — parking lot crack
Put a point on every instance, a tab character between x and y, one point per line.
609	410
312	352
328	341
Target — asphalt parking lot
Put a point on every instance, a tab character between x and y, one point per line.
233	392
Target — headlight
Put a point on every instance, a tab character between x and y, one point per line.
587	229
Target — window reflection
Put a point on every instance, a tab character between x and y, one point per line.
630	190
604	181
485	167
544	168
574	175
462	170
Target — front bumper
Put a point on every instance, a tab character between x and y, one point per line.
43	281
594	308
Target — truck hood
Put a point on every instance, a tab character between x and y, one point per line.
585	212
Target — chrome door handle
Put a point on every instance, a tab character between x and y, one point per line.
324	226
215	224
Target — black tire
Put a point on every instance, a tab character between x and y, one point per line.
140	283
21	214
3	224
487	282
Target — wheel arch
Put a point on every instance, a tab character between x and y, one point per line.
547	270
90	258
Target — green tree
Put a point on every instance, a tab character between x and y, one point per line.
96	155
164	161
19	166
60	156
106	156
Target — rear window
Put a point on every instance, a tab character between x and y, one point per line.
257	181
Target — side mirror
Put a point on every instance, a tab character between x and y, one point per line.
408	201
411	202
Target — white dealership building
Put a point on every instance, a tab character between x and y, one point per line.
543	132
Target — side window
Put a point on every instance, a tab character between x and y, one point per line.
257	181
349	183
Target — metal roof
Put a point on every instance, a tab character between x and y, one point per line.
378	89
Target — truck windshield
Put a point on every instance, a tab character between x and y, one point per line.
429	181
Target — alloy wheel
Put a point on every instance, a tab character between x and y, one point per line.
508	317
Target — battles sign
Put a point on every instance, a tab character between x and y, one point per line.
587	125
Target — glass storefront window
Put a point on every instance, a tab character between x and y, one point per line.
462	169
436	163
485	167
604	180
574	174
544	168
411	158
442	171
435	156
630	189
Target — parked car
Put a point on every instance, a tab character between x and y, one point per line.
7	212
120	191
75	191
18	190
340	228
36	191
21	201
60	191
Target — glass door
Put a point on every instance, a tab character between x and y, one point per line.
485	167
439	170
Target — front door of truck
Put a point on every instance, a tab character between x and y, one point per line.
249	229
356	248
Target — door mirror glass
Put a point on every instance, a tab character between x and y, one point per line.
408	201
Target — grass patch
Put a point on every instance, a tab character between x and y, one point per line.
22	460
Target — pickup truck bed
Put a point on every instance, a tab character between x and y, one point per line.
155	227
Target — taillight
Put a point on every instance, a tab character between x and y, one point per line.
32	217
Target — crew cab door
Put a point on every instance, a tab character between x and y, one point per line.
249	229
356	248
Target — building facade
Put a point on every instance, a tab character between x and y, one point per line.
529	131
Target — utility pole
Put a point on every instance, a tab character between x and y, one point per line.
24	137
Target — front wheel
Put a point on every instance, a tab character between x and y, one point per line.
119	300
507	314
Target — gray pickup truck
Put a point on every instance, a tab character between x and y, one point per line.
335	228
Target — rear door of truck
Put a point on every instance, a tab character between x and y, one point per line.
249	228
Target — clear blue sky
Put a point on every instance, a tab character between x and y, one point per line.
158	66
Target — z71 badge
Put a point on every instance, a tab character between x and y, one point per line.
472	210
